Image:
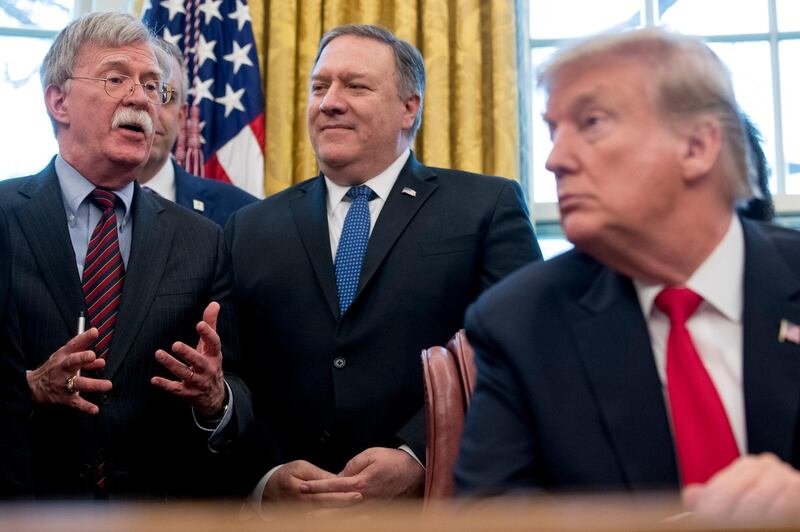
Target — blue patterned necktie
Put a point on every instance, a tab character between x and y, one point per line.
352	245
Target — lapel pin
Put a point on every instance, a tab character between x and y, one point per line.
198	205
409	191
789	332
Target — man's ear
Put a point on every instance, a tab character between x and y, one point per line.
411	105
701	148
55	101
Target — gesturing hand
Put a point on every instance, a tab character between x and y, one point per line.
57	380
200	373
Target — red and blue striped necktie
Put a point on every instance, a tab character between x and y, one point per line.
103	272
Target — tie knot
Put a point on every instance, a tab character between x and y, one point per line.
104	199
678	303
361	191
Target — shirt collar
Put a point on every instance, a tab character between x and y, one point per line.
75	188
163	182
381	184
718	280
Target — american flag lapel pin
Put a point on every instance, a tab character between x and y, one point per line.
409	191
789	332
198	205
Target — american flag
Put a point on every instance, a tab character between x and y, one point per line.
225	131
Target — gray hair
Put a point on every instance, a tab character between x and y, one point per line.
175	52
100	29
688	81
409	62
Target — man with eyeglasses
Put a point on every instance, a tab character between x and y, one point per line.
116	292
162	174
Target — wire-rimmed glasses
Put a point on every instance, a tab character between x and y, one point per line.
119	86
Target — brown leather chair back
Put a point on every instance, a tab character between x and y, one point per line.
449	380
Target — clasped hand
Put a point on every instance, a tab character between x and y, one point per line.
377	473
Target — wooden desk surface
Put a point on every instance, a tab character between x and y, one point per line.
573	513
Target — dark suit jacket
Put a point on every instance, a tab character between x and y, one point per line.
568	395
15	404
328	387
147	438
219	199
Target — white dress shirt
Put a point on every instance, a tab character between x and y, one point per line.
163	182
339	204
716	326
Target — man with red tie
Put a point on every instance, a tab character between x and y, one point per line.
659	353
108	281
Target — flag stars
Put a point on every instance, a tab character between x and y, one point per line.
239	56
201	89
241	15
174	7
205	50
210	9
170	38
232	100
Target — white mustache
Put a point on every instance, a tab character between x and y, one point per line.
133	117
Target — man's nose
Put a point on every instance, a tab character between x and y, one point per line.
561	159
333	101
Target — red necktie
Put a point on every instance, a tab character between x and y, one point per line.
703	437
103	272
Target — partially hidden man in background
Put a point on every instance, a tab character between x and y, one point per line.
664	351
341	280
164	176
115	414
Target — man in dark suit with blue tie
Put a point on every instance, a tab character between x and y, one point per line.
115	415
664	351
213	199
343	279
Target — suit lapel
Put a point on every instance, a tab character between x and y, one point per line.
310	216
396	214
187	190
771	370
614	346
43	220
150	249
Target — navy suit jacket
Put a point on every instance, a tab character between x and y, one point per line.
568	396
146	437
15	402
327	387
219	200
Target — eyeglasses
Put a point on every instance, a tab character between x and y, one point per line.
119	86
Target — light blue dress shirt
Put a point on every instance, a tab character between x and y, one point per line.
83	215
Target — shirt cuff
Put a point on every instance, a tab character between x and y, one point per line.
226	417
408	450
257	495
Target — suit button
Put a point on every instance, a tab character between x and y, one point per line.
323	439
339	362
104	399
86	471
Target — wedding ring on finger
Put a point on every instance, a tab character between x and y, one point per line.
69	384
191	374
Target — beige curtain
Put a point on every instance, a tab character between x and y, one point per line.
471	111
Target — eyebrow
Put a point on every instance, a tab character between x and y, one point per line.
582	102
347	76
122	64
